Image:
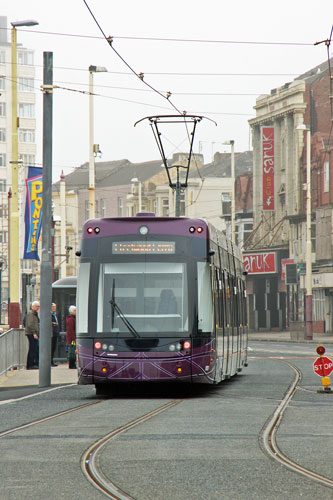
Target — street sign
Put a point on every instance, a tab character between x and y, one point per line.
323	366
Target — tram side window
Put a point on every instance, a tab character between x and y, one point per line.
82	297
205	303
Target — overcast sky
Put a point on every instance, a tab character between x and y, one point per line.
225	78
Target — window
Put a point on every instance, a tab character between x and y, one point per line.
165	207
3	211
26	110
3	237
2	135
313	236
3	185
3	160
103	208
2	57
326	176
120	207
318	305
226	204
2	84
25	84
205	305
82	297
28	159
26	135
248	228
150	297
2	109
25	57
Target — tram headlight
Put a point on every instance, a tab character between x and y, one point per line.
178	346
111	347
192	229
172	347
186	344
104	347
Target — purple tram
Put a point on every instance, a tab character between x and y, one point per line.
159	299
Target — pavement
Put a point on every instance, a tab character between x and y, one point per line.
61	374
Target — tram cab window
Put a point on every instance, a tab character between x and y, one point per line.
82	297
152	296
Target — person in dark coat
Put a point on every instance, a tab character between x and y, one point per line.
71	336
32	332
55	332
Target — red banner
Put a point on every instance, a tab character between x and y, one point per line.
260	263
268	161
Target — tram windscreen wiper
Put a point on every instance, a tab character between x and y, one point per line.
115	307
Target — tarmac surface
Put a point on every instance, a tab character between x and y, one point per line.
61	374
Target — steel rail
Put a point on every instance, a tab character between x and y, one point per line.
47	419
268	435
89	458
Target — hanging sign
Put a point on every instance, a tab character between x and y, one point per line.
33	212
268	164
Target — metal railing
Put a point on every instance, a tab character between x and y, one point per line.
13	350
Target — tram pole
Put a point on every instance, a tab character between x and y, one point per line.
46	262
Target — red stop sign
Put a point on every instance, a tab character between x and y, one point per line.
323	366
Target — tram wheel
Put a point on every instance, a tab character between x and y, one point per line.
102	389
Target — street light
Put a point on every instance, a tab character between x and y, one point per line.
14	315
92	70
308	258
232	144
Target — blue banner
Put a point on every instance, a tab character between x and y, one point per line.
33	212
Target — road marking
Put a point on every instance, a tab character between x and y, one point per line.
7	401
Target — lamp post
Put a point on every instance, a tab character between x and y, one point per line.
92	70
14	315
233	232
308	256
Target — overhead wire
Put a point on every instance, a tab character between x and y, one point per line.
165	39
139	75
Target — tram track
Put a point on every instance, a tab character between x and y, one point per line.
47	419
89	460
268	435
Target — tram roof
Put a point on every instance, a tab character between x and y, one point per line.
68	282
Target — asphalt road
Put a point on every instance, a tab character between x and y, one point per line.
206	447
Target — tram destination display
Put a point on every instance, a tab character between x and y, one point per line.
143	247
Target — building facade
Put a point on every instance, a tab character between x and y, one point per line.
27	155
279	197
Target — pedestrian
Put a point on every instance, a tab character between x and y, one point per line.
71	336
55	332
32	332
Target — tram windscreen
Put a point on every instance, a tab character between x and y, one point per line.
143	298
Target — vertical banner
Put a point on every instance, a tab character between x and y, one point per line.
33	212
268	164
